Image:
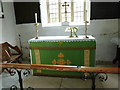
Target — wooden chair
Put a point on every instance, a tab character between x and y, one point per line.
6	56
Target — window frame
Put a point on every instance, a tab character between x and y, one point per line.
1	10
45	16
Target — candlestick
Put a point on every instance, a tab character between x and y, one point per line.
35	17
85	12
86	29
36	25
85	19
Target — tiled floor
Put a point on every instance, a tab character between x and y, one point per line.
56	82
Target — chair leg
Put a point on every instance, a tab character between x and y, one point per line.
19	61
1	70
8	70
4	69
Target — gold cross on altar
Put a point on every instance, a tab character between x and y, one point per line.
65	5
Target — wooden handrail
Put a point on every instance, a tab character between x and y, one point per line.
62	68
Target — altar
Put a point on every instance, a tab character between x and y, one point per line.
62	50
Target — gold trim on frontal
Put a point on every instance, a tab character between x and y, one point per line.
61	61
63	48
37	56
60	43
86	59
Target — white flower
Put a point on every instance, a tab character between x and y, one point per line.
67	29
74	29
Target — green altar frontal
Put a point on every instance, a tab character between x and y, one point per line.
62	50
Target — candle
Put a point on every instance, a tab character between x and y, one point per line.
35	17
85	11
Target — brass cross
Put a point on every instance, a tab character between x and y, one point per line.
65	5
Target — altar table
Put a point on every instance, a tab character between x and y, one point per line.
62	50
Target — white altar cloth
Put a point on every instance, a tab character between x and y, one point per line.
62	38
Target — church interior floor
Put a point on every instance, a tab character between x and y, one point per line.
6	81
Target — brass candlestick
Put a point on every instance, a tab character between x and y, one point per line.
86	29
36	25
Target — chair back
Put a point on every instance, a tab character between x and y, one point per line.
4	52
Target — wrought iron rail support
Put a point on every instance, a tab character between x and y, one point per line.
20	79
102	78
93	82
19	73
93	77
93	71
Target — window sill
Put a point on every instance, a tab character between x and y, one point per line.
63	24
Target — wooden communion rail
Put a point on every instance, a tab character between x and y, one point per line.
62	68
94	70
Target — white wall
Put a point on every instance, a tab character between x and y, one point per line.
7	24
102	30
0	30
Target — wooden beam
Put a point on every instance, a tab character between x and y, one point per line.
62	68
